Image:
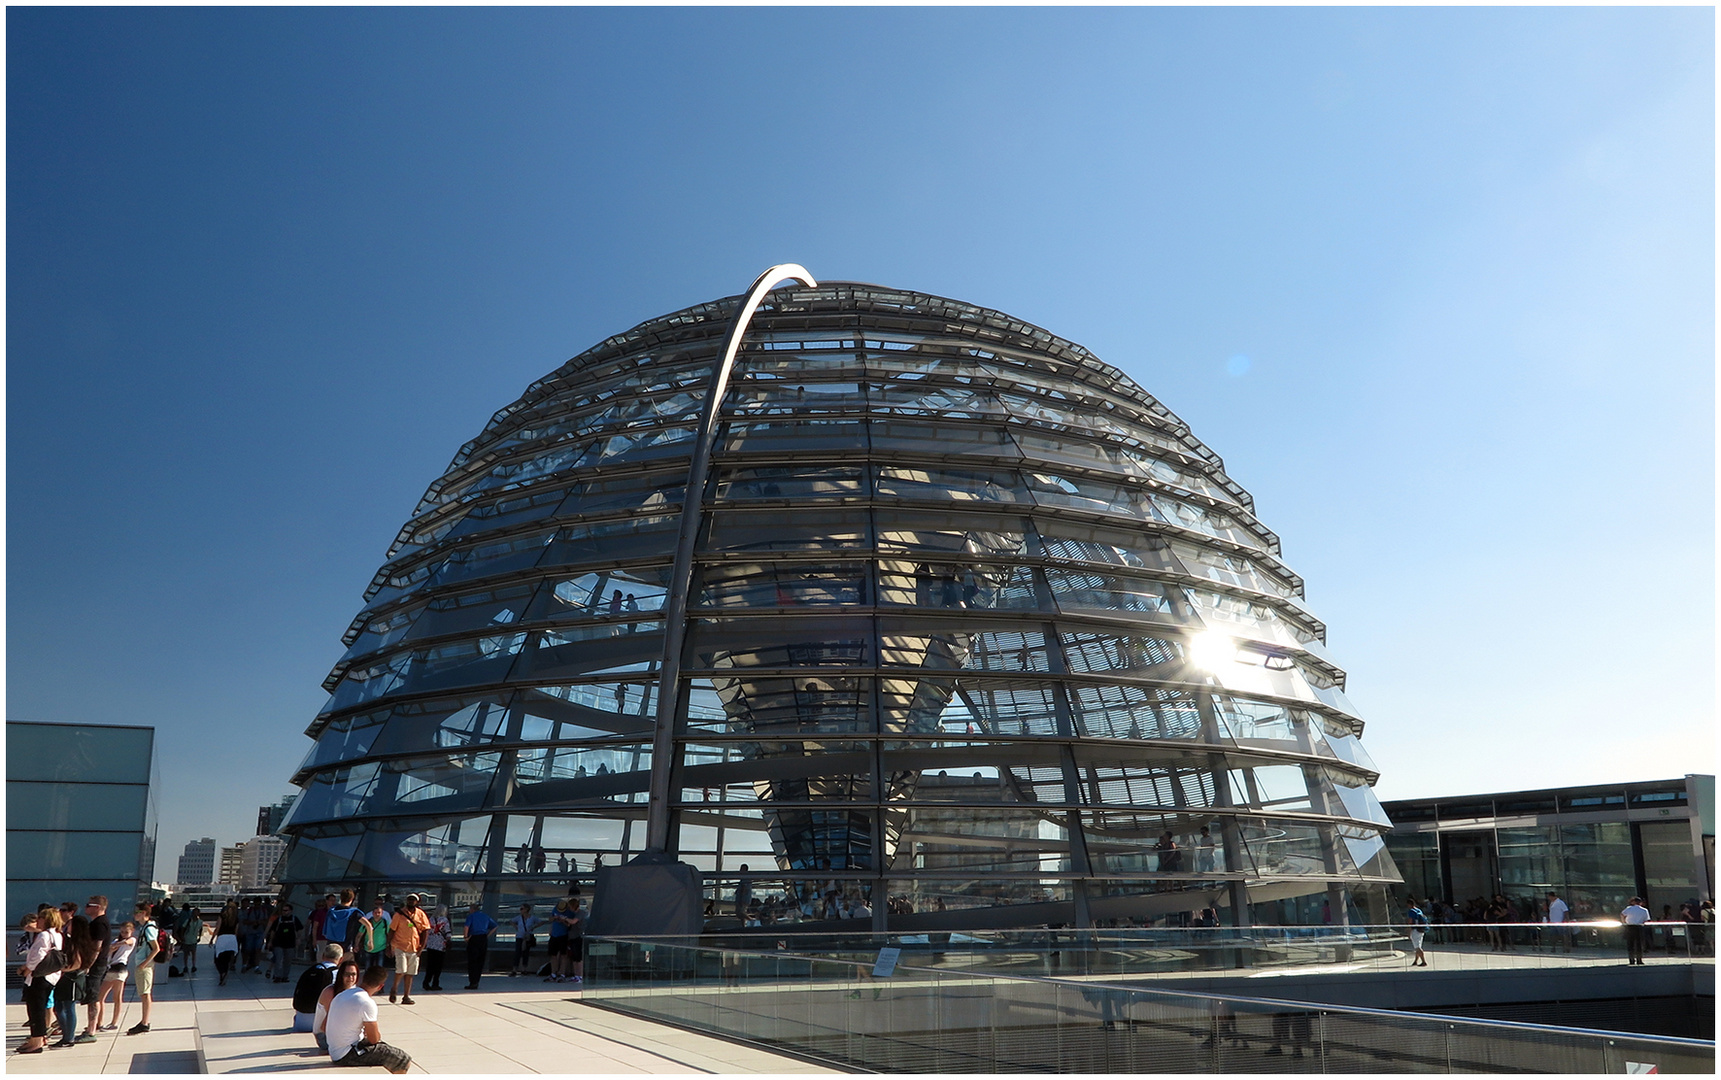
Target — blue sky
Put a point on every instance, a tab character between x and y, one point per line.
1437	283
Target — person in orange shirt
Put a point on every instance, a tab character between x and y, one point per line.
406	933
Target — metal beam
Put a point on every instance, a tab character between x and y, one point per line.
659	814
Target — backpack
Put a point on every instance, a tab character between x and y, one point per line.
310	987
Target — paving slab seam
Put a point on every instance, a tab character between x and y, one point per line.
737	1040
596	1035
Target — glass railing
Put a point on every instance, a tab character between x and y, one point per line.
1162	951
915	1018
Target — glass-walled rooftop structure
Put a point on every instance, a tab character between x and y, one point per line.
975	628
1596	846
80	813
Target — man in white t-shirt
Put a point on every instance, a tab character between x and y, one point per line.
1559	913
1634	916
354	1038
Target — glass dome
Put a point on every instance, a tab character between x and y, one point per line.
977	632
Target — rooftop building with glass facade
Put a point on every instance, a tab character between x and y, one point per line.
1596	846
966	624
80	813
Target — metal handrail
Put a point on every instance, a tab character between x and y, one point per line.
1298	1006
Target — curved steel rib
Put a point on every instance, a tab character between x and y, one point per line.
658	817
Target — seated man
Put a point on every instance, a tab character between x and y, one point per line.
312	983
354	1038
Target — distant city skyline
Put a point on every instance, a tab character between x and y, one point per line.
1437	283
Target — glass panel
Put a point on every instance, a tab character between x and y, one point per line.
1418	856
78	752
651	492
1051	489
1598	865
490	559
997	707
1137	654
59	854
591	649
978	586
904	643
1670	866
1357	798
799	434
1227	568
586	711
641	536
950	485
774	530
1291	848
1093	591
1066	541
417	851
74	807
816	643
951	533
1530	860
784	585
802	704
1282	787
475	610
799	483
532	505
1136	712
321	854
1262	724
461	722
903	436
569	774
612	593
345	738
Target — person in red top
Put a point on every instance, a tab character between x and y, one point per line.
319	913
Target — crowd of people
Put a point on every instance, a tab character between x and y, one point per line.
72	958
1508	925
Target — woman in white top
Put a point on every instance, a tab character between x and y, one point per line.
119	966
37	987
346	977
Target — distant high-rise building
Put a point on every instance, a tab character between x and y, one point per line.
197	865
232	867
262	856
269	818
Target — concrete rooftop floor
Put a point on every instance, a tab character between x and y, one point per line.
509	1025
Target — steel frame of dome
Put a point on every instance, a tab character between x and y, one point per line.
969	619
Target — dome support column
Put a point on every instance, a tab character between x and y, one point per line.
660	828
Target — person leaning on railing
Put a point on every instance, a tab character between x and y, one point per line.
1634	917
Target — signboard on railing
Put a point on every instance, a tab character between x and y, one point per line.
886	964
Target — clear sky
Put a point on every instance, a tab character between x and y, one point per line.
1438	284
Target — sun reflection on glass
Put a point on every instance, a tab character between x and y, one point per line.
1210	649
